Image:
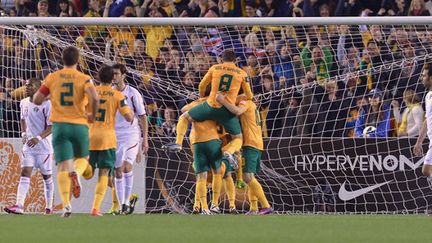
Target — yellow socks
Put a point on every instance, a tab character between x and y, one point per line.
230	191
239	174
115	204
81	166
257	190
253	201
202	192
197	198
88	173
101	188
64	186
234	145
216	188
182	126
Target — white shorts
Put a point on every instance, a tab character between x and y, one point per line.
43	162
428	157
126	151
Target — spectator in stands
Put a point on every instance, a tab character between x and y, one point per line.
320	61
411	120
93	32
354	114
42	8
116	8
418	8
283	69
332	110
168	127
400	8
292	109
251	9
252	66
347	54
376	115
9	109
407	74
63	6
308	108
267	8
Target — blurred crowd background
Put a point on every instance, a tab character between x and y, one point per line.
319	81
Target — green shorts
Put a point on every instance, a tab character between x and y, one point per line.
252	158
222	115
103	159
207	155
70	141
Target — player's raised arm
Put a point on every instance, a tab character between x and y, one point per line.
43	92
205	82
93	98
247	89
236	110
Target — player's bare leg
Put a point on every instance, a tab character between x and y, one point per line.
23	187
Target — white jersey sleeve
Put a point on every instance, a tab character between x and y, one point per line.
428	101
36	118
137	103
130	130
47	112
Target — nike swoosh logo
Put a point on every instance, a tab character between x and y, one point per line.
345	195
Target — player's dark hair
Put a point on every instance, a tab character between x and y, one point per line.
70	56
228	56
36	81
106	74
121	67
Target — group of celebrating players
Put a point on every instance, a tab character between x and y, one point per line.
105	127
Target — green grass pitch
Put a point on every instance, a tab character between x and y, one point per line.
221	228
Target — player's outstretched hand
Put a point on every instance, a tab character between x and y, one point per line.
32	142
220	97
90	118
418	150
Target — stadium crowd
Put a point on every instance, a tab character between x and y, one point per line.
322	81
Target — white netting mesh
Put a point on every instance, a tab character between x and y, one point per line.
310	84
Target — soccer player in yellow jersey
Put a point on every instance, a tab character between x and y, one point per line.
70	91
228	79
253	146
103	141
207	154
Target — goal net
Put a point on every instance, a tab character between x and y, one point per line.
341	105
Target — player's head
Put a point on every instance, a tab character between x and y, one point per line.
32	85
119	71
106	74
427	78
70	56
228	56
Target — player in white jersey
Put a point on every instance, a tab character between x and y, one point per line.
37	149
426	129
128	139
